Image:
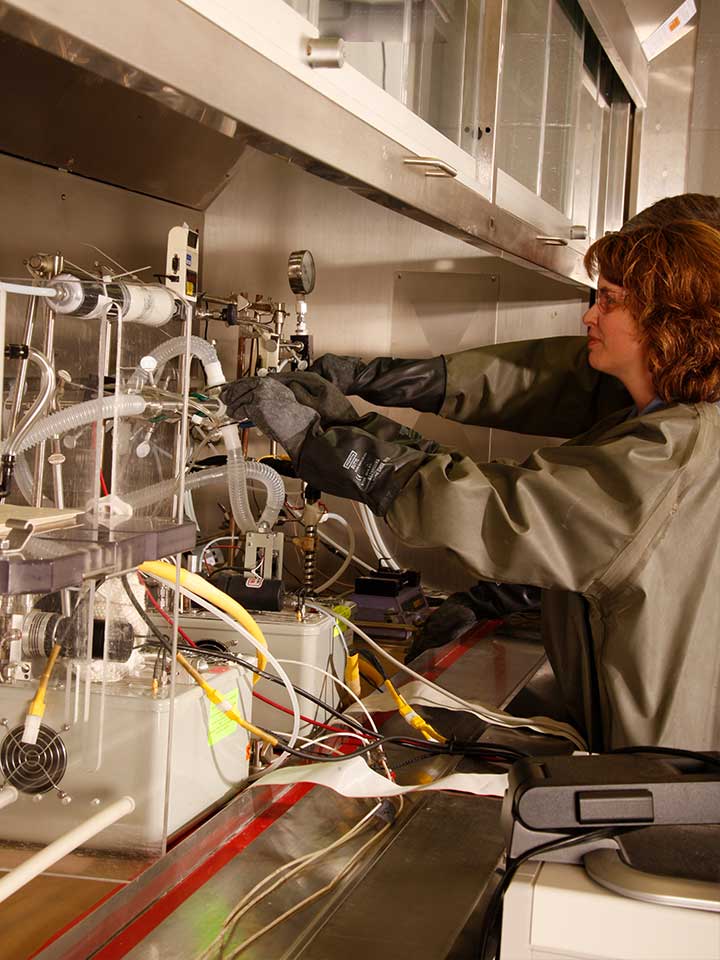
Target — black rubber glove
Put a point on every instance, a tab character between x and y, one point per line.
343	460
320	395
388	381
484	601
335	409
273	408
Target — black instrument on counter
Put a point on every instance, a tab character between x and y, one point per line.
552	798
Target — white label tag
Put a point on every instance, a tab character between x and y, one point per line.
669	31
254	582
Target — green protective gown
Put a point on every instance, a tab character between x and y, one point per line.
620	526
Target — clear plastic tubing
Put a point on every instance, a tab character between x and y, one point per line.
127	405
204	351
237	480
238	471
260	472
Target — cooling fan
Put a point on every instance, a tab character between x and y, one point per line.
37	767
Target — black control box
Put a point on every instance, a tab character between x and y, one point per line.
550	798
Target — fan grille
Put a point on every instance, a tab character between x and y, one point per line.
33	768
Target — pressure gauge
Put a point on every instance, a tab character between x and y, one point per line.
301	272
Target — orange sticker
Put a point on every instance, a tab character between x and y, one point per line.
674	24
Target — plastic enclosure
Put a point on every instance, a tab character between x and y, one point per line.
313	641
106	731
125	752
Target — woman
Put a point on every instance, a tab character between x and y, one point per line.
618	526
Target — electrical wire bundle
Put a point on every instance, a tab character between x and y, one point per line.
365	739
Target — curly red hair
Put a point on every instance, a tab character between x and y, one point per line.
671	275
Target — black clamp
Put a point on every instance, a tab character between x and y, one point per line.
17	351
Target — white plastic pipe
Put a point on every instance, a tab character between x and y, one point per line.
379	547
45	858
8	795
28	290
349	552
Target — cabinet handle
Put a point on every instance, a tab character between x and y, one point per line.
325	52
553	241
436	167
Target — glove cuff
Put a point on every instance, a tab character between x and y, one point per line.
393	382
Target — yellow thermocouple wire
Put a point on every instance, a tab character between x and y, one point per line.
160	569
36	710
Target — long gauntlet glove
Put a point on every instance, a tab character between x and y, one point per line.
388	381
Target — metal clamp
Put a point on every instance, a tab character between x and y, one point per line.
436	166
20	533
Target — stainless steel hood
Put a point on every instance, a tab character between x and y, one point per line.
64	115
157	99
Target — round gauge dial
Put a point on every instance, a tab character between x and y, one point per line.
301	272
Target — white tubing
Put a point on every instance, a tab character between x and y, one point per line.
45	858
333	679
348	556
8	795
379	547
236	469
274	487
126	405
204	351
28	290
338	546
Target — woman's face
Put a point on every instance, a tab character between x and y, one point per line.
614	344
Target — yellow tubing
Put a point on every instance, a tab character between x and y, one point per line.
162	570
219	700
37	705
404	709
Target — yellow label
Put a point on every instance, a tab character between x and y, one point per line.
220	726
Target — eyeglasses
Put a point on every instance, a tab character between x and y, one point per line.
607	301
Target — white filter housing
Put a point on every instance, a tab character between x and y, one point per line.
209	759
315	641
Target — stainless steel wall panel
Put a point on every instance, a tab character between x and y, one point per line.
704	141
665	133
614	29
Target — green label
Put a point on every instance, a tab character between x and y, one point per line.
342	611
220	726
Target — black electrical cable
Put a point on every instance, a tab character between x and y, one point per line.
713	761
481	750
216	654
453	748
493	913
144	614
